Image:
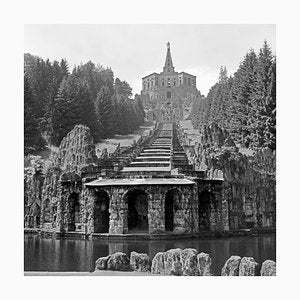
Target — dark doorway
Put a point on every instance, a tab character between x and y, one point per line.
101	212
206	199
74	211
137	210
171	205
168	95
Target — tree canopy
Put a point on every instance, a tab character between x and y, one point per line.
89	95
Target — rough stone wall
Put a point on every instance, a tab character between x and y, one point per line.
64	216
118	211
33	182
48	183
76	149
184	217
219	209
156	210
249	177
51	192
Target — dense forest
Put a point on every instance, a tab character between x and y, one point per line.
56	99
245	103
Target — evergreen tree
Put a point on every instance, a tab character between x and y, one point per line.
64	69
105	112
32	137
244	104
270	110
243	87
73	106
262	92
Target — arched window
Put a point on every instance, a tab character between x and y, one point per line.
163	83
168	95
174	83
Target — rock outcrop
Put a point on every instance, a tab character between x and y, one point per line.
77	149
140	262
231	267
204	264
173	262
189	262
185	262
101	263
268	268
248	267
118	262
249	176
158	263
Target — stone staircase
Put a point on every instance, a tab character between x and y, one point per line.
155	158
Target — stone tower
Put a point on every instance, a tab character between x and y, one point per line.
166	94
168	68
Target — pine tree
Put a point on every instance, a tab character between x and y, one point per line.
105	112
261	94
73	106
64	68
32	137
241	104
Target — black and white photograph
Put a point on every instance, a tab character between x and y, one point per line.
158	159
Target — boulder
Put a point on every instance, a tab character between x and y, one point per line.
173	262
203	264
101	263
189	262
158	263
118	262
248	267
268	268
231	267
140	262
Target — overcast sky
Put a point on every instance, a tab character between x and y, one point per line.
133	51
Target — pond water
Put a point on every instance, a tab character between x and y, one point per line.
65	254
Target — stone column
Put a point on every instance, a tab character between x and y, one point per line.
118	211
156	209
88	202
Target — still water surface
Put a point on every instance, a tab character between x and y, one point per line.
64	254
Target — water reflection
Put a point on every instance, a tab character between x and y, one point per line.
50	254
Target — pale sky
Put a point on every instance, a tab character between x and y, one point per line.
134	51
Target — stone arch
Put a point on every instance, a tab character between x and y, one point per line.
172	201
205	205
101	211
73	211
136	200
